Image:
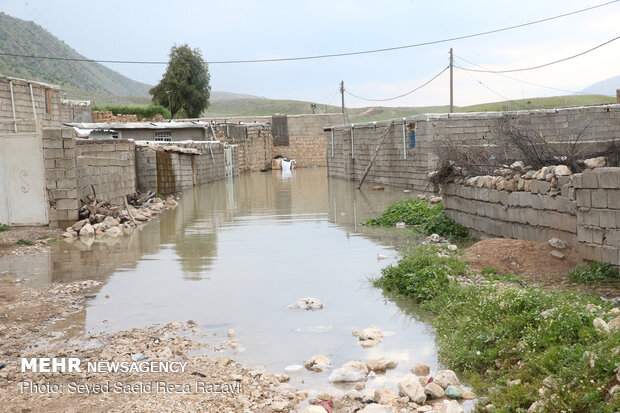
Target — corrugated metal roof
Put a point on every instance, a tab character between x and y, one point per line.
139	125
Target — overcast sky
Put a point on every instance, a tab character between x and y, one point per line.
232	29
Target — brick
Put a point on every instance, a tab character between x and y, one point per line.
66	204
610	255
599	198
589	179
608	177
613	199
584	198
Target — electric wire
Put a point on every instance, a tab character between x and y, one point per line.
404	94
331	55
542	65
495	92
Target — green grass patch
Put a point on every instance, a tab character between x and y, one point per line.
496	332
4	227
22	241
593	272
430	219
143	112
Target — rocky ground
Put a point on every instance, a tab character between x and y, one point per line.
37	237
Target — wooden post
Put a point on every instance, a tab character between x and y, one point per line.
374	155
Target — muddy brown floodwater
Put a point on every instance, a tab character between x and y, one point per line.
234	255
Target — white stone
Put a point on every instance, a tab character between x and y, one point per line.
375	408
87	231
557	243
433	391
346	375
452	247
421	370
357	365
385	396
318	363
293	368
562	170
614	324
451	406
445	378
435	200
382	364
412	389
114	232
600	325
307	303
557	254
595	162
109	222
313	409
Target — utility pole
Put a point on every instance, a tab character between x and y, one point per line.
344	117
451	81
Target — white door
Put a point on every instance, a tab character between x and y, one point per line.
22	185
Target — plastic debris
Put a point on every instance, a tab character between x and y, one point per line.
294	368
2	365
400	225
138	356
328	405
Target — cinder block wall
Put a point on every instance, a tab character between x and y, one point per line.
49	114
108	166
600	125
584	212
254	144
170	172
60	176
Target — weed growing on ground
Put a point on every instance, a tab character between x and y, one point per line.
4	227
593	272
498	332
22	241
429	218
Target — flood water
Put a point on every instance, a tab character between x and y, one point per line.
235	254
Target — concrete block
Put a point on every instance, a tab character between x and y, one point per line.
66	204
537	201
613	199
590	252
610	255
607	218
612	237
589	179
599	198
608	177
584	198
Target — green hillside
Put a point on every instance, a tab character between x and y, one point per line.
77	79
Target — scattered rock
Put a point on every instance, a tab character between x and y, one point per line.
308	303
346	375
382	364
436	200
562	170
413	389
87	230
518	165
445	378
318	363
385	396
600	325
370	336
511	383
293	368
451	406
109	222
593	163
421	370
375	408
313	409
113	232
614	324
467	395
378	188
557	243
452	247
357	365
557	254
453	392
78	225
433	391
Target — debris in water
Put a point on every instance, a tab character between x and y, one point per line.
308	303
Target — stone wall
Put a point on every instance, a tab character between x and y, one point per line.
76	111
583	210
401	165
254	144
45	98
107	167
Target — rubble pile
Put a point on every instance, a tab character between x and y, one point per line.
102	219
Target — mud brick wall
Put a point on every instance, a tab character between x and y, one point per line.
46	105
600	125
60	176
254	144
108	166
584	211
598	214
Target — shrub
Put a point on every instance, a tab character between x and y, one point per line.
429	219
593	272
143	112
22	241
4	227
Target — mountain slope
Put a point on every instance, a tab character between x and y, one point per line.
605	87
25	37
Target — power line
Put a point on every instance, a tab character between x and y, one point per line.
322	56
521	81
404	94
493	91
543	65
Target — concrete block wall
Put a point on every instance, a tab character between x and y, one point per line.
306	140
584	212
170	172
108	166
601	123
47	114
598	214
254	144
60	171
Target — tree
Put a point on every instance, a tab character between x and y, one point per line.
184	88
